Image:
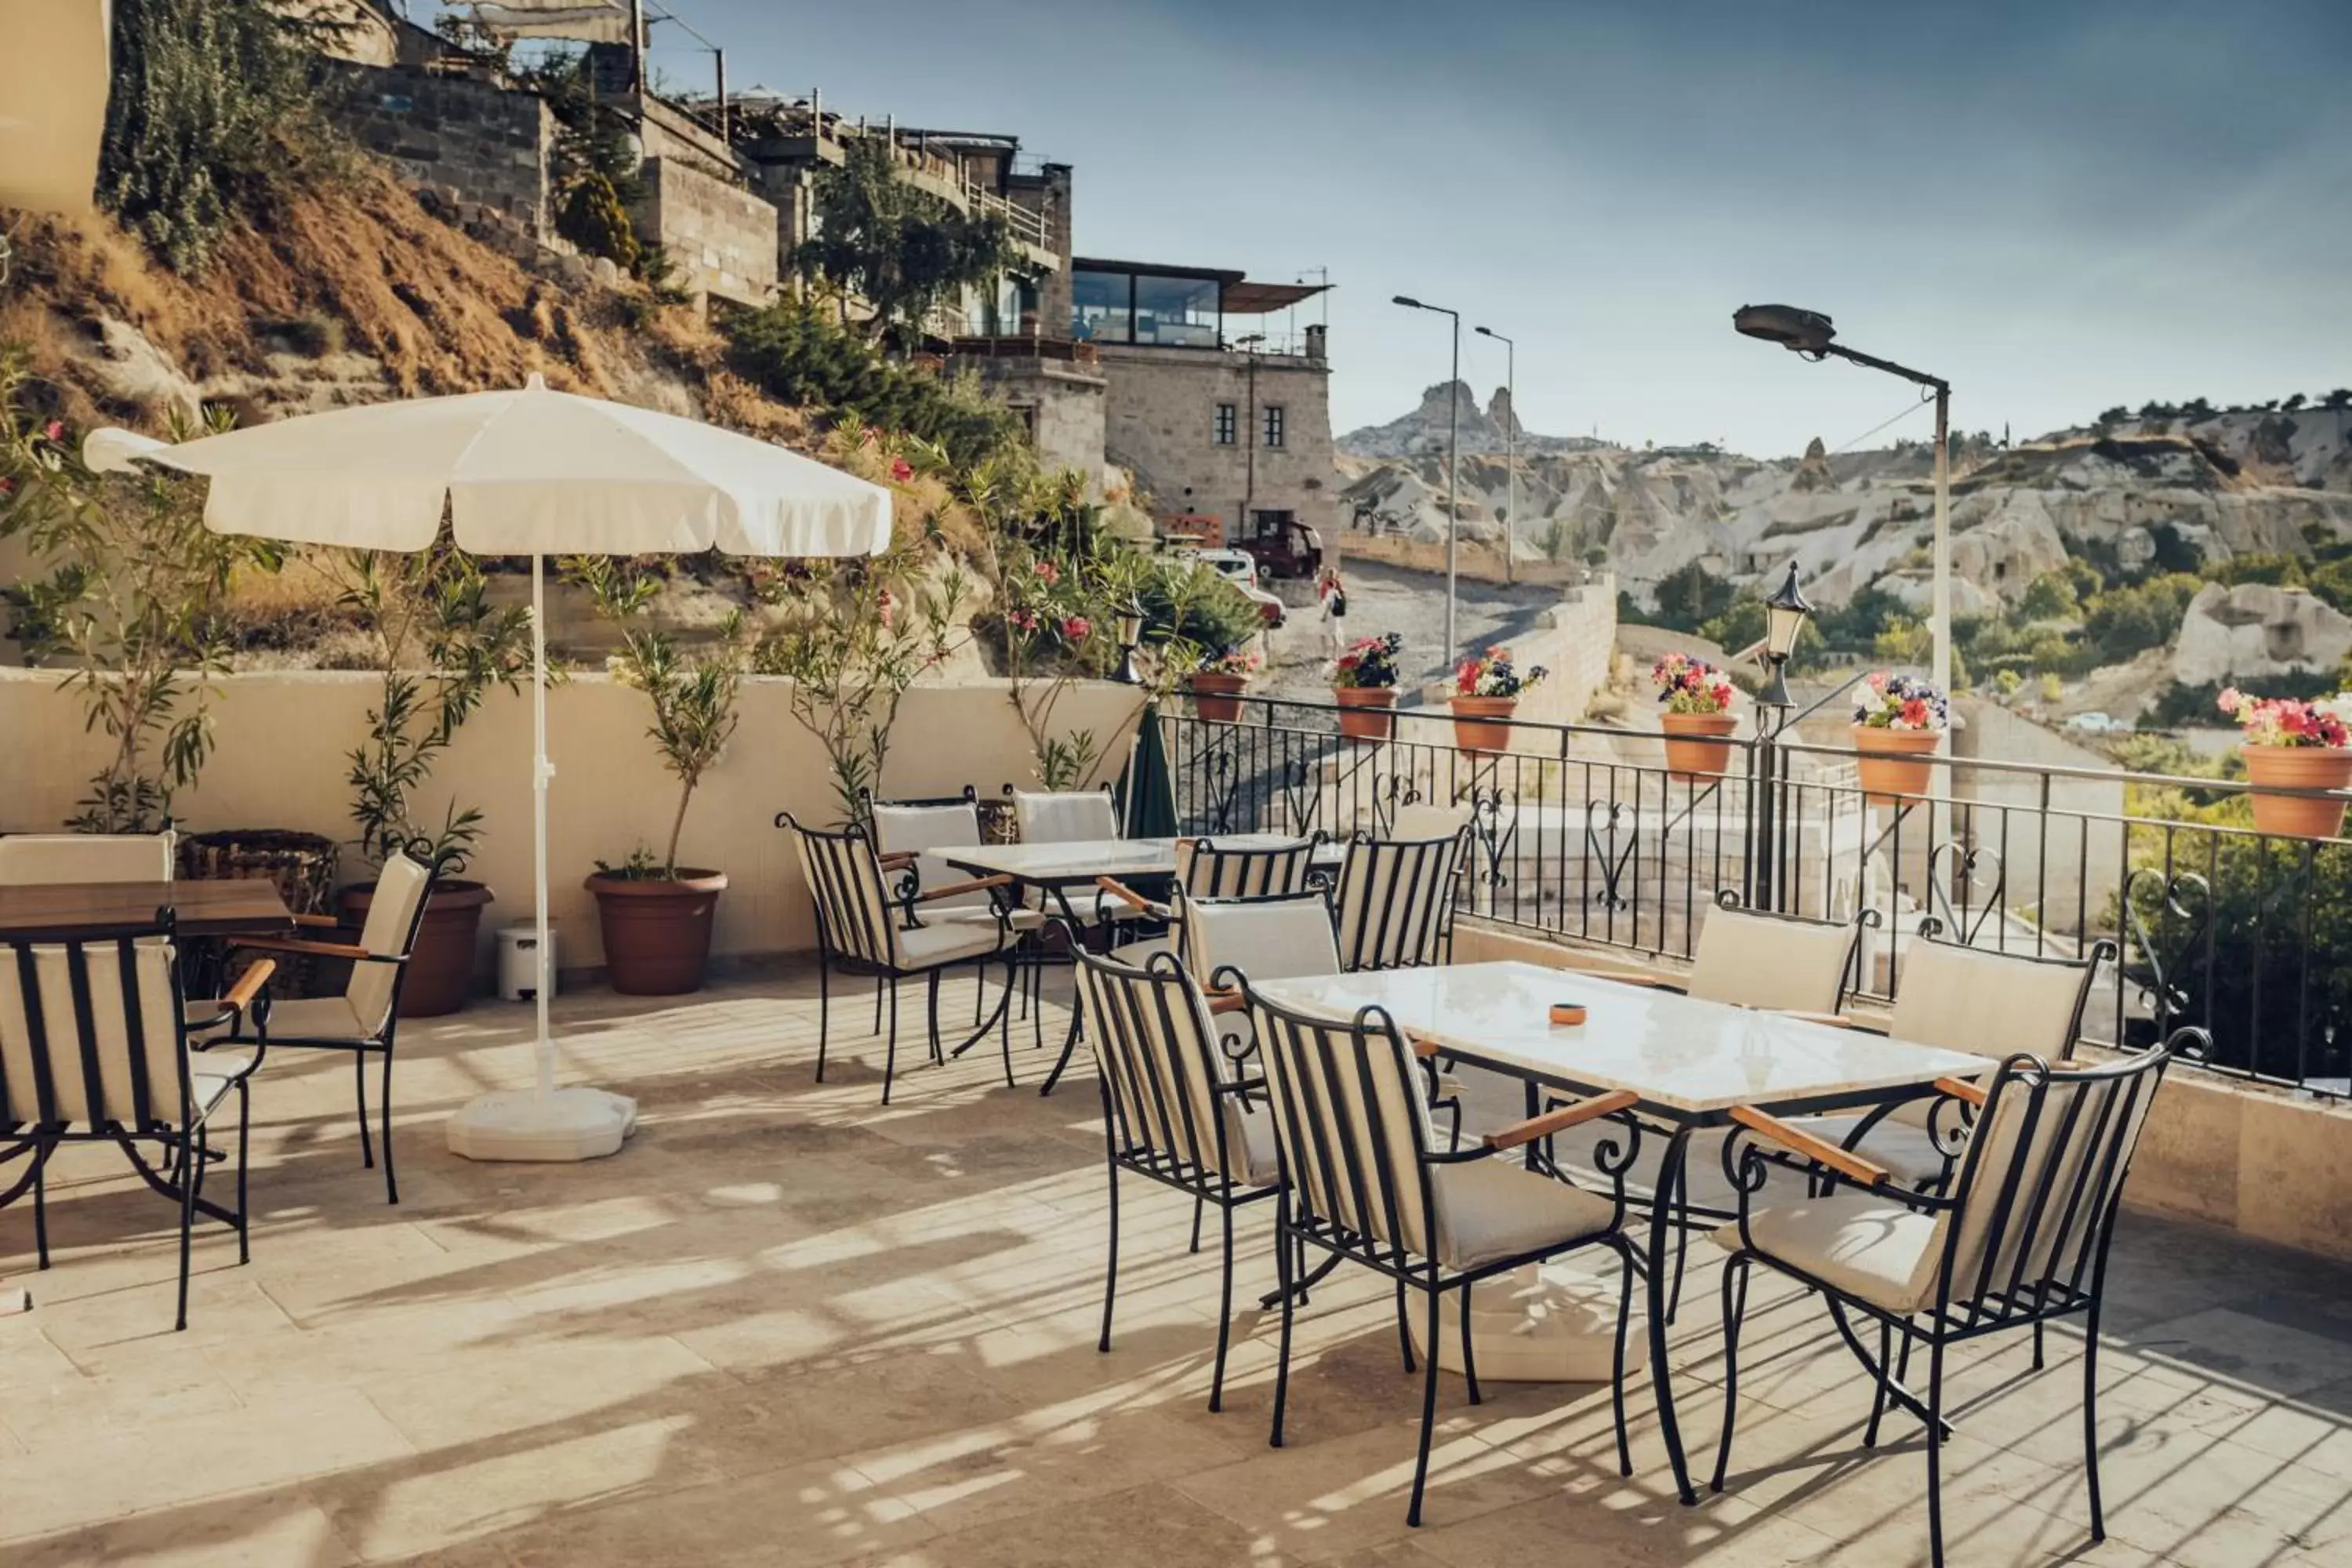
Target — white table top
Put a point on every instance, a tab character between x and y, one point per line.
1082	860
1677	1053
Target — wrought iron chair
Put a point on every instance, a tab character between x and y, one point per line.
365	1018
1177	1108
46	857
1208	870
2020	1238
1954	995
859	917
1397	900
94	1048
1363	1181
909	833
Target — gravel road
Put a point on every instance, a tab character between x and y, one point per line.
1384	599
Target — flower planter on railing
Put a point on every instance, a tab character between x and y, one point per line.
1363	683
2293	745
1217	697
1365	711
1485	695
1698	745
1898	726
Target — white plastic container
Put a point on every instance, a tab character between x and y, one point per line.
519	961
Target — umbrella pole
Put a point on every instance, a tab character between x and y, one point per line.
542	1123
542	772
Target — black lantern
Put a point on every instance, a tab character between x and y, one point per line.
1130	638
1785	613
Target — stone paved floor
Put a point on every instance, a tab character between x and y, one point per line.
787	1326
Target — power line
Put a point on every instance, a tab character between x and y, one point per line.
1908	410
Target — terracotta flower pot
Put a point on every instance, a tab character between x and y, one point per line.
1894	762
2298	767
1696	749
657	932
1364	710
1484	723
441	966
1217	697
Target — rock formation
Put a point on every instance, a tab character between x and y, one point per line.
2255	630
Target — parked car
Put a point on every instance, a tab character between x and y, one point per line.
2095	724
1282	545
1243	572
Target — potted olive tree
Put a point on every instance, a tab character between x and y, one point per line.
430	608
655	915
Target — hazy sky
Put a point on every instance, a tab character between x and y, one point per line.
2057	205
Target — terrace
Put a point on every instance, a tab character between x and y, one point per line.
786	1325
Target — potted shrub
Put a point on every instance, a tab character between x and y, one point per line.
656	916
1364	682
1486	694
1697	717
1898	726
432	606
2299	746
1216	686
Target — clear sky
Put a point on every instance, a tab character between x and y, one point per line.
2059	204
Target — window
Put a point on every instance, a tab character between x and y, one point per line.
1228	419
1102	307
1176	312
1273	527
1273	432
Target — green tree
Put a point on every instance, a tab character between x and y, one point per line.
900	248
2125	622
797	353
213	115
1690	595
2049	597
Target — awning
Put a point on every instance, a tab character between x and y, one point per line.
1250	298
53	81
589	21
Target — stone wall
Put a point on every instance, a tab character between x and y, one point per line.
1061	401
477	144
1160	420
723	238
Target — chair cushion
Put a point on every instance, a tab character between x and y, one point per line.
316	1018
211	1074
945	942
1249	1132
1905	1148
1872	1248
1489	1209
985	919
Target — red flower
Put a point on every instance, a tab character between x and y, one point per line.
1048	572
1077	628
54	430
8	486
1915	712
901	471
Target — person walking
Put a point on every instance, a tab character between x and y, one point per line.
1334	598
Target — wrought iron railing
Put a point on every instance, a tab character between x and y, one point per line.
1584	833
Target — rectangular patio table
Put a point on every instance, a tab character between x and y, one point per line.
199	908
1690	1061
1054	869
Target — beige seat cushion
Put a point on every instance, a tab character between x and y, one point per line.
1872	1248
1901	1144
317	1018
1249	1133
1488	1209
985	919
211	1074
928	947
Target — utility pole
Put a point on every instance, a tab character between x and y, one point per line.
1510	443
1453	469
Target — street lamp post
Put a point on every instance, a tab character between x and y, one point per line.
1453	467
1785	613
1808	332
1511	440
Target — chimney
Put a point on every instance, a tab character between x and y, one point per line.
1314	334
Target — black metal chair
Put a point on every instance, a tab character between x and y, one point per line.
1363	1181
365	1018
861	917
94	1048
2020	1240
1397	900
913	834
1179	1108
1208	870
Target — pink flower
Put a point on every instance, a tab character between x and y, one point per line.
8	486
54	430
1048	572
2232	699
1023	619
901	471
885	607
1077	628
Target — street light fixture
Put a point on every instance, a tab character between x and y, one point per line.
1453	466
1810	334
1511	440
1785	613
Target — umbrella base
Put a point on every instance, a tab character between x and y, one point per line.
522	1124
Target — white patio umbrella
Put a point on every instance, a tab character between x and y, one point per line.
534	473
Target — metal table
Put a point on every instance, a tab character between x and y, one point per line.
1690	1061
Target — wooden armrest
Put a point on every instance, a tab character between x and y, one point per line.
1559	1120
1226	1001
319	949
1820	1151
241	994
896	860
1961	1089
328	922
1423	1047
977	885
1129	896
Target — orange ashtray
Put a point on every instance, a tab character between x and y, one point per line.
1567	1013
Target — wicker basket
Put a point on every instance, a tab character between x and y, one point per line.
301	866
